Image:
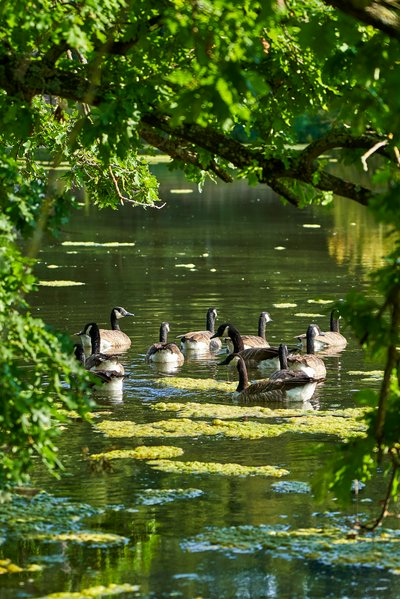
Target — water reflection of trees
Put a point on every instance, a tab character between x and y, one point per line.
356	238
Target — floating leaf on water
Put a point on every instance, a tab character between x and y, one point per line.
291	486
161	496
319	301
177	467
98	591
60	283
311	226
196	384
142	452
285	305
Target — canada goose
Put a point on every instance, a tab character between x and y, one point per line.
257	357
283	384
309	363
98	361
331	338
164	352
201	340
254	340
114	337
111	377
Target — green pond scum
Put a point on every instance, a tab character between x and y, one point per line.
142	452
97	591
177	467
331	546
191	384
344	424
8	567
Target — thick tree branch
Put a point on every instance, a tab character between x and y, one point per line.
381	14
186	154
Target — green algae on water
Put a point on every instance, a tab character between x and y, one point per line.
142	452
97	591
177	467
161	496
185	427
95	539
291	486
8	567
196	384
331	546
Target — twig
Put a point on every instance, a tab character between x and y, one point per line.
124	199
371	151
384	510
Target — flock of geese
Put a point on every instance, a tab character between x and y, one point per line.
297	370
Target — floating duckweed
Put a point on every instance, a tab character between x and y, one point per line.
160	496
211	410
98	591
176	467
291	486
196	384
96	244
331	546
285	305
60	283
8	567
185	266
368	373
97	539
344	427
140	453
308	315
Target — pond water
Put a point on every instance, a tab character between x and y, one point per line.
238	249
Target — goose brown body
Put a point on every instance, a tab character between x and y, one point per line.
104	366
164	352
258	357
282	385
114	337
201	340
250	341
327	339
309	362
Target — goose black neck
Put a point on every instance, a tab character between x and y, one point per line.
243	376
95	338
163	333
236	339
114	321
283	351
210	322
79	353
334	323
310	341
262	321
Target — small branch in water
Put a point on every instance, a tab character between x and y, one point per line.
385	507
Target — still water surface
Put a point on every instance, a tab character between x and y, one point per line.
238	249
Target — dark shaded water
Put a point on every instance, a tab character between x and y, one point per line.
236	248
